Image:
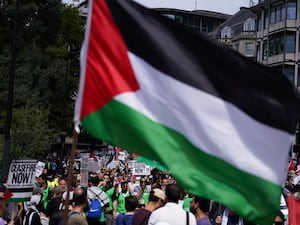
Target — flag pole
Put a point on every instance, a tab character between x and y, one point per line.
70	175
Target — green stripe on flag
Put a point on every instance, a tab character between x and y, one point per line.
197	172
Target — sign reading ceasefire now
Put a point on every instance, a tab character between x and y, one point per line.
21	174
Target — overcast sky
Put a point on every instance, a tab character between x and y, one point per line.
223	6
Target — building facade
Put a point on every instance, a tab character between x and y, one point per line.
239	32
278	36
199	20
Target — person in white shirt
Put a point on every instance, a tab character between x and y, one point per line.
172	213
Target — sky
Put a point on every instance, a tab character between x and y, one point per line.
223	6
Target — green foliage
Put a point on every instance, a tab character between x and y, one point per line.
49	37
30	134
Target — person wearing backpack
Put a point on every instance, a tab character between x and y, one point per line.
32	215
98	202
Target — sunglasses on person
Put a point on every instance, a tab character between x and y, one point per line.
277	223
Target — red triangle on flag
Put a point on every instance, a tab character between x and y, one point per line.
291	165
7	194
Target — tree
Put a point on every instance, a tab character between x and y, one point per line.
47	71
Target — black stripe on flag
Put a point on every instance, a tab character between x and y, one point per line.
20	189
192	58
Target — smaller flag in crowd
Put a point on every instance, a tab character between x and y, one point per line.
294	210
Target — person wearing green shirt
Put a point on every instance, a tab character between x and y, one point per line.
141	191
119	199
107	186
186	202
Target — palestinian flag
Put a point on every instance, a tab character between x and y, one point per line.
222	124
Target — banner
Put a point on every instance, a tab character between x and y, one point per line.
21	178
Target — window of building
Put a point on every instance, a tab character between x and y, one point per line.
298	79
265	50
290	43
249	49
278	13
289	72
236	46
249	25
283	12
178	19
292	10
170	16
204	26
258	53
226	32
272	20
276	44
259	25
266	20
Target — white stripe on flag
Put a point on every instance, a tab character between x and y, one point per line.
226	132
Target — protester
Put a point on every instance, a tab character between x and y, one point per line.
56	203
62	183
107	186
199	207
131	203
289	183
172	213
187	201
32	215
43	183
229	217
279	219
119	199
156	200
77	216
141	191
216	210
95	192
3	213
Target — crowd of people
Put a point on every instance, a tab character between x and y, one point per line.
116	197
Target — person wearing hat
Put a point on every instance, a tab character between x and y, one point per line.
156	200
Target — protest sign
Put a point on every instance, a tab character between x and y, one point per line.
21	179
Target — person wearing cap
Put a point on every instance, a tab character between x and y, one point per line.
156	200
172	213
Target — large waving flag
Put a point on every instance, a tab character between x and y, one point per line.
221	124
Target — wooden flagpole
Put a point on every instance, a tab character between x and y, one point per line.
70	176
